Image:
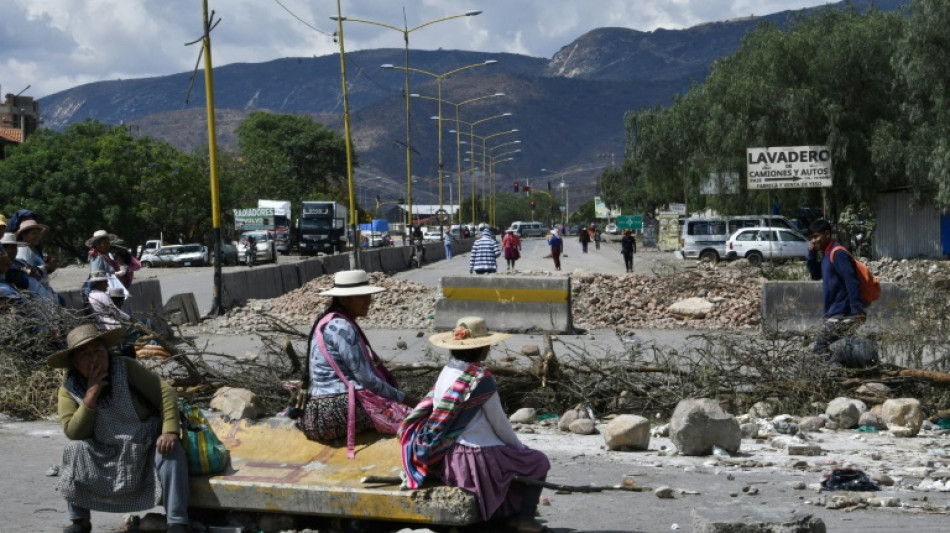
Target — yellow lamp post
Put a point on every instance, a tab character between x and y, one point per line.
438	83
405	31
472	136
484	155
458	138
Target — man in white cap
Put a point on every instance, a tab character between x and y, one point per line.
107	314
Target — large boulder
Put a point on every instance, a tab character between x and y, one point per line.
846	412
236	403
691	308
628	432
699	424
903	413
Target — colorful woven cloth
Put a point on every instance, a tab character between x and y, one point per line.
431	429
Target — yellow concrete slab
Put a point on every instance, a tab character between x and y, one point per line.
274	468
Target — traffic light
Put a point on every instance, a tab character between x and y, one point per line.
527	190
532	205
516	186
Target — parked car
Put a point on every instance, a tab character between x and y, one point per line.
266	245
760	243
431	234
176	255
611	229
151	245
704	238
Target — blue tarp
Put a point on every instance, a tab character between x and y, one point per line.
376	226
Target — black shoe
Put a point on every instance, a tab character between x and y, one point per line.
178	528
78	526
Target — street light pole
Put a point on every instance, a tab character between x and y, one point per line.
349	142
438	79
405	31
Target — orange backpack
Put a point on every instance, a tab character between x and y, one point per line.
870	288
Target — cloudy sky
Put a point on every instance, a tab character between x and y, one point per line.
52	45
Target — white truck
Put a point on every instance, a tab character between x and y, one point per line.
279	224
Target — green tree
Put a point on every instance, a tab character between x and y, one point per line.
289	157
95	176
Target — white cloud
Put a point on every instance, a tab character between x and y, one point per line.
53	45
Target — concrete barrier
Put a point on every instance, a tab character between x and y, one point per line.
514	304
310	269
182	309
146	297
394	259
303	477
289	278
335	263
370	260
798	305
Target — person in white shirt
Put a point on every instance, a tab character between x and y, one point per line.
460	434
107	314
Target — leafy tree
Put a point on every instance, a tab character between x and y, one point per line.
289	157
825	80
94	176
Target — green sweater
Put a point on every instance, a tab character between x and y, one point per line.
150	394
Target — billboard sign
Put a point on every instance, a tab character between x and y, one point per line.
788	167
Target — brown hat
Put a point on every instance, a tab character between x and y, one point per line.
3	220
31	224
469	332
79	337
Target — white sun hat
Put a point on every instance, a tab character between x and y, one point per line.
351	283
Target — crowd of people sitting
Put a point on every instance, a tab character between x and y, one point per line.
124	451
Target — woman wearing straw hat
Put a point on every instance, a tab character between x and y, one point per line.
121	420
341	361
460	433
31	232
100	257
16	273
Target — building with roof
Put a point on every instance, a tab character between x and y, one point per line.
19	118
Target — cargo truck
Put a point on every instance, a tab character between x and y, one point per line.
279	223
321	227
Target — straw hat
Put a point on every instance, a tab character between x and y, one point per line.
351	283
116	292
99	235
10	238
98	276
469	332
30	224
3	220
79	337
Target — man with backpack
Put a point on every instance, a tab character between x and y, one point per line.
842	282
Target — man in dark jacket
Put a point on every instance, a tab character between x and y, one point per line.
844	310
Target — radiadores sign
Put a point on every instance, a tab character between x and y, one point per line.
789	167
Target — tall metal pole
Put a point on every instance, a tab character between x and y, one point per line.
349	142
438	84
405	35
471	142
458	158
217	307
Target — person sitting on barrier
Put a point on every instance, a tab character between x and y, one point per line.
483	259
124	450
17	274
341	361
460	434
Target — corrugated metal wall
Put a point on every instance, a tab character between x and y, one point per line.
905	230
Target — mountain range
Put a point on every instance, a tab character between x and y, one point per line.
568	110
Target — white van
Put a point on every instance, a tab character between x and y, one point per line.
704	238
527	229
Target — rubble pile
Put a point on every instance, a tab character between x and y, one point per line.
732	299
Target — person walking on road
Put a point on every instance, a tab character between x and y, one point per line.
584	239
484	256
844	311
628	247
556	246
512	248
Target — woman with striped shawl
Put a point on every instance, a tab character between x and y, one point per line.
460	434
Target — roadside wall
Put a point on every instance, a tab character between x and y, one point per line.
517	304
798	305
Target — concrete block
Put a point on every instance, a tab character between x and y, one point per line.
146	297
797	305
515	304
289	278
310	269
758	519
804	449
182	309
335	263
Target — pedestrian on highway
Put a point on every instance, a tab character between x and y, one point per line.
342	369
512	248
628	247
844	311
556	246
584	239
459	433
124	452
447	239
597	237
128	264
484	255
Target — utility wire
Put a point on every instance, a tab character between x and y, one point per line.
302	21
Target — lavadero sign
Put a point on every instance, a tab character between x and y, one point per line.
788	167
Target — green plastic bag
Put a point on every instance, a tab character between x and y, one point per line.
206	454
